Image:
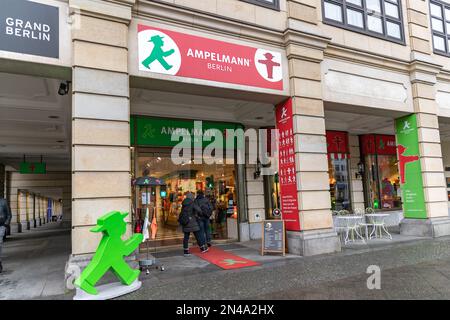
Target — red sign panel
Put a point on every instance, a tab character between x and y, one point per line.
183	55
337	142
286	166
386	144
378	144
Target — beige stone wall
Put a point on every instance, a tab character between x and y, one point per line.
101	161
309	131
235	10
255	196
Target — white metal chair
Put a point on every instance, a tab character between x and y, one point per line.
363	224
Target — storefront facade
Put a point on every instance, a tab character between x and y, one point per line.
142	70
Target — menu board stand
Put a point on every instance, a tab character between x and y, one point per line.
273	237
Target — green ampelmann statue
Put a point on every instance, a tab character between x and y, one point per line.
110	253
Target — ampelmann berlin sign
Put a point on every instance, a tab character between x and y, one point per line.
29	27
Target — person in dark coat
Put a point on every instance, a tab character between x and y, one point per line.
206	212
5	220
193	210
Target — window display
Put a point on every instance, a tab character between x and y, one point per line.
382	182
338	169
339	184
217	181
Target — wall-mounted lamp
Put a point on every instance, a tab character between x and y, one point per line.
360	172
257	172
64	88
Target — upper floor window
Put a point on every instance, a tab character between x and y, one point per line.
440	25
378	18
272	4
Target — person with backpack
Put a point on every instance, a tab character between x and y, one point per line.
188	220
5	220
206	212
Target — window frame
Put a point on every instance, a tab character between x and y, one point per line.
445	34
364	30
274	6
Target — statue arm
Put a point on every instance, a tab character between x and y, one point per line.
132	243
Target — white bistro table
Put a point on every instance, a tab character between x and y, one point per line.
379	226
351	226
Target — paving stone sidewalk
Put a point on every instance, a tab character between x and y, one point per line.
411	268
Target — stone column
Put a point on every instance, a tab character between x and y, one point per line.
305	53
423	73
423	79
100	111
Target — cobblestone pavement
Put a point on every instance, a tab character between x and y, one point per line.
411	268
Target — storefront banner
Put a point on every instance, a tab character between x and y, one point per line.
378	144
337	142
159	132
286	166
385	144
409	168
183	55
29	27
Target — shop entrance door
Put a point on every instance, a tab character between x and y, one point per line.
217	181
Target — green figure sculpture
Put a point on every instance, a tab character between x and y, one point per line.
158	53
110	253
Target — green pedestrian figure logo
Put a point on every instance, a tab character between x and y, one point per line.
110	253
158	54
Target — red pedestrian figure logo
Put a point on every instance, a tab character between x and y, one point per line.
270	64
403	160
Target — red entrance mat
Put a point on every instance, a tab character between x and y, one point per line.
224	259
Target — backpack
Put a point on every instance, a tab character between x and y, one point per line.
206	209
184	217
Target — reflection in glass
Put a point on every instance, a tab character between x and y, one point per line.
391	9
338	172
439	43
437	25
355	18
374	24
393	30
333	12
373	5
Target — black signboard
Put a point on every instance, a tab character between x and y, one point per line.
273	238
29	27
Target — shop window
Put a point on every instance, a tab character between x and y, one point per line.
382	179
272	4
440	26
217	181
378	18
338	169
